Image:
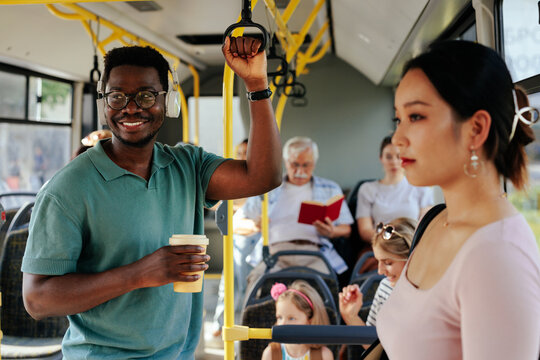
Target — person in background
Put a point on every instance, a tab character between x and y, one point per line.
98	249
471	288
245	236
286	233
91	140
390	198
391	244
298	304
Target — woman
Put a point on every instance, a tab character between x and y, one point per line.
390	198
471	288
391	244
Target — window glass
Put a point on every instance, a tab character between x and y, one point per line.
528	202
12	95
49	100
521	34
31	154
211	122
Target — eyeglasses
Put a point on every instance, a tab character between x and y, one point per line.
145	99
305	166
386	231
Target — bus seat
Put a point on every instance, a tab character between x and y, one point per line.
16	324
357	276
368	288
330	277
21	217
260	310
355	245
3	230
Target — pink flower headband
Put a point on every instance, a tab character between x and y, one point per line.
279	288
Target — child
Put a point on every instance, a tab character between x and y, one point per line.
299	304
391	244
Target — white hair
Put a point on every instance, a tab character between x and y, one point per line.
298	144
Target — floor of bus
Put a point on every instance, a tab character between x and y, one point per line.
209	348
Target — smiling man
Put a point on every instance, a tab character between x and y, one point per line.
98	246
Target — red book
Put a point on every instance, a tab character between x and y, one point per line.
314	210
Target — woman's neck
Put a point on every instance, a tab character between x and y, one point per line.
476	201
297	350
392	178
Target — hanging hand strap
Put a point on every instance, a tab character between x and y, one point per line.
246	22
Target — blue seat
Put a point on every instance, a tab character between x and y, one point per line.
24	337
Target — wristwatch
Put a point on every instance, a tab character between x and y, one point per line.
259	95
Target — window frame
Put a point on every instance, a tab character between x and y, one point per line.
531	85
27	74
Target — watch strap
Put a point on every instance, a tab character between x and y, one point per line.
259	95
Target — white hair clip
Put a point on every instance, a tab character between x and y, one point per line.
519	115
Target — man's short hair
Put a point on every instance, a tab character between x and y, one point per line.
298	144
138	56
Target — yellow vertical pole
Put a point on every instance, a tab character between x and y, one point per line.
196	94
228	268
185	117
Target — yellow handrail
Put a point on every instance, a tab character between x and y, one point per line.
34	2
228	267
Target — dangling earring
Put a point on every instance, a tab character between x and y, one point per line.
474	166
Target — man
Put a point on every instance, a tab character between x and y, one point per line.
98	246
285	233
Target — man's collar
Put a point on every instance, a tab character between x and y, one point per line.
110	171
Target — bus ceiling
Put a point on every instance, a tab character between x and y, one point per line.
375	37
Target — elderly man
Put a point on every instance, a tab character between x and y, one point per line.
286	233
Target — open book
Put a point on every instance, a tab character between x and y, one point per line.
314	210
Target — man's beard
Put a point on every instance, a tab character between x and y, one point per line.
142	142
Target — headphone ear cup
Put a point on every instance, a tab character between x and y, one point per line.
100	103
172	104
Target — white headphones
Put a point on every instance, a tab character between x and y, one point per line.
172	99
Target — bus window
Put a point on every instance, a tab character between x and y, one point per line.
528	203
521	35
211	122
35	130
12	95
49	100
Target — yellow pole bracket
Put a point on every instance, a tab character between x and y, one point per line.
242	333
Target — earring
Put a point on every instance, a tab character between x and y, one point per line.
474	166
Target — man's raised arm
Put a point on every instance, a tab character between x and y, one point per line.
261	171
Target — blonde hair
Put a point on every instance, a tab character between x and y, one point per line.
317	315
397	245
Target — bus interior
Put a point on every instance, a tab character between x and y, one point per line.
346	55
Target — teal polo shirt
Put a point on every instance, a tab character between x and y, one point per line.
93	216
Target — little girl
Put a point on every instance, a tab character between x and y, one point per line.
299	304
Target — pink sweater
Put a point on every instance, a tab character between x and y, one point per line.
485	306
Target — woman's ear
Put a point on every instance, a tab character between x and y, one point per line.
477	129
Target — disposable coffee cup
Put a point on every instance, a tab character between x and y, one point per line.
189	239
